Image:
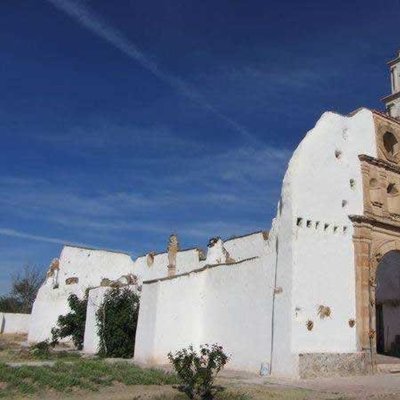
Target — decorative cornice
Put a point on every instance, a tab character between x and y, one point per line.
379	163
391	97
395	61
386	116
375	221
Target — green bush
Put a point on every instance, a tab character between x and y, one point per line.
197	371
73	323
40	350
116	323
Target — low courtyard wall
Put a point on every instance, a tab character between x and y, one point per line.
14	323
228	304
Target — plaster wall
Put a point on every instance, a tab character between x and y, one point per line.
245	247
326	187
90	267
315	253
91	339
395	108
14	323
206	306
186	260
48	306
96	296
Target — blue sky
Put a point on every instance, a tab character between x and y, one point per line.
122	122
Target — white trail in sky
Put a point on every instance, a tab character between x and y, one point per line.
24	235
90	20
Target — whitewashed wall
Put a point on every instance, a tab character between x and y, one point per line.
247	246
96	296
95	299
90	267
228	304
14	323
186	260
316	261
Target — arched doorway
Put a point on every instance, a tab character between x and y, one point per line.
387	304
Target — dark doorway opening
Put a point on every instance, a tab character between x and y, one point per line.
387	305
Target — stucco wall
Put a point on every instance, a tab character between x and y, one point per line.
208	306
247	246
95	300
14	323
90	267
186	260
91	339
321	188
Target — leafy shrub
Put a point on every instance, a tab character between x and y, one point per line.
198	371
40	350
73	323
116	323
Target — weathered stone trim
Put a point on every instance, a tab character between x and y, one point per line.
313	365
380	163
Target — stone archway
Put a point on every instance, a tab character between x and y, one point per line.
387	304
373	242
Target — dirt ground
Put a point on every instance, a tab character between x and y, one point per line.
239	386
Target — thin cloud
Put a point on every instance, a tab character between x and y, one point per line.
90	20
24	235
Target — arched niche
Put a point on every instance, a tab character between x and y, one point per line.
390	143
393	198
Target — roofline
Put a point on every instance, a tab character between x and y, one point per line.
386	116
195	271
394	61
390	97
95	249
166	252
263	232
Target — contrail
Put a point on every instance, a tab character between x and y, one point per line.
24	235
90	20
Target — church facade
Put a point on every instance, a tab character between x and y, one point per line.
317	295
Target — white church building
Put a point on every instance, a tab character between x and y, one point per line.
319	294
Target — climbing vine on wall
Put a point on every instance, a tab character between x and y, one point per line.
116	323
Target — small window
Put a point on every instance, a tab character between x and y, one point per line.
299	222
392	189
390	143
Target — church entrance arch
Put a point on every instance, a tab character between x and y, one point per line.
387	304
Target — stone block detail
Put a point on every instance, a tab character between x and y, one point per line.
312	365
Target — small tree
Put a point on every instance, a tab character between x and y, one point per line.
73	323
198	371
24	288
116	323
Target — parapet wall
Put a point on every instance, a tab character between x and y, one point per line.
225	304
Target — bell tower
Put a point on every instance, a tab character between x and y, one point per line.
392	102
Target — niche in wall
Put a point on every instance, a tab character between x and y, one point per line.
393	198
